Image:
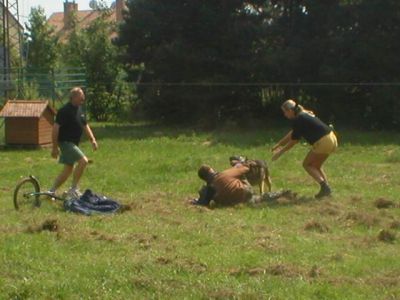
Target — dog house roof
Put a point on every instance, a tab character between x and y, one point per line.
25	108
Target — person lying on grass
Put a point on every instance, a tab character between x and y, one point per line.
322	138
225	188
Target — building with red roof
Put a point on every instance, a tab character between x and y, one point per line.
61	21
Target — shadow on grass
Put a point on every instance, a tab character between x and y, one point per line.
239	137
236	136
231	136
288	201
354	137
132	131
293	200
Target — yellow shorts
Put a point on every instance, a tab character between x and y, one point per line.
325	145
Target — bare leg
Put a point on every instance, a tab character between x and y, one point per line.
323	174
313	163
318	164
79	168
62	177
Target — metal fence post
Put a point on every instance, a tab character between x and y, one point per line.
53	87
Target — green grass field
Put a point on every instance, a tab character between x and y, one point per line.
346	247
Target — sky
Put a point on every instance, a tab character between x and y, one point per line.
50	6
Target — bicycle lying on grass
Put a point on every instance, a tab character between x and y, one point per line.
27	194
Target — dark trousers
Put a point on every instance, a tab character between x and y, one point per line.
206	193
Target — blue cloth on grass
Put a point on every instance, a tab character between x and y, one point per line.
90	203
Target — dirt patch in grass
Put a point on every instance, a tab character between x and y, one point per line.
200	208
154	200
261	228
162	211
292	198
107	238
391	279
338	257
283	197
126	208
288	197
172	221
316	226
256	271
283	270
329	211
328	208
383	203
394	225
342	280
143	284
315	272
145	241
187	264
9	229
285	201
268	244
355	199
360	218
90	234
222	295
163	261
48	225
103	237
192	266
386	236
363	242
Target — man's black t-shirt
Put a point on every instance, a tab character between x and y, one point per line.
71	120
309	127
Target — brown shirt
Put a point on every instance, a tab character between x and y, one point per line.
229	186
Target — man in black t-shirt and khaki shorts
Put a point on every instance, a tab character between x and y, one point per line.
67	131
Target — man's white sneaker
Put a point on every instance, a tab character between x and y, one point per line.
51	195
73	193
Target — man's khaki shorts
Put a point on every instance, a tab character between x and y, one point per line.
70	153
325	145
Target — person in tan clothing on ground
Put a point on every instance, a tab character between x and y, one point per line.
225	188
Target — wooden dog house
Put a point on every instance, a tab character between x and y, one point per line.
28	122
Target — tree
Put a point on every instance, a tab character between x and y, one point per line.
187	49
334	43
73	48
41	43
42	54
106	91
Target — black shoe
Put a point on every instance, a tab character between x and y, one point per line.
325	191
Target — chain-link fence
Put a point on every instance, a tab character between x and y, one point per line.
25	83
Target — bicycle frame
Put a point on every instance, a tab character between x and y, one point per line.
44	194
27	193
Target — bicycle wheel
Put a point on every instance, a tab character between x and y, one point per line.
26	194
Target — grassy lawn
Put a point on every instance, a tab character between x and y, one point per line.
346	247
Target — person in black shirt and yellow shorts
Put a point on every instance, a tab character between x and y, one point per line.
322	138
67	131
